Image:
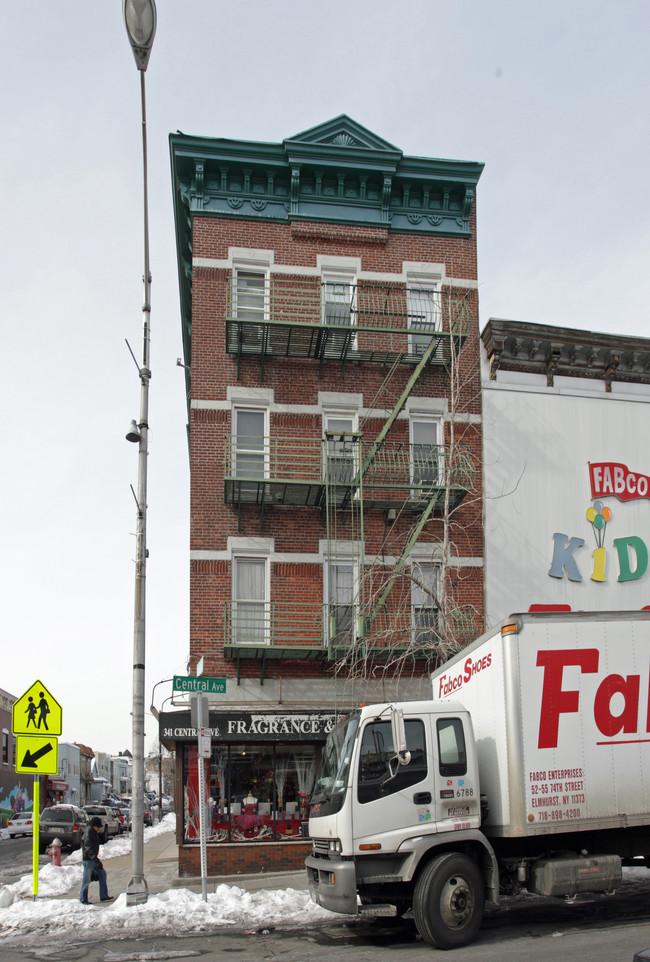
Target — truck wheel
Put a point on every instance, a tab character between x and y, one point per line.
448	901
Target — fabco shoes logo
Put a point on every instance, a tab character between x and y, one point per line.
608	480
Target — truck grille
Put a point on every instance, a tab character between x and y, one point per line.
321	846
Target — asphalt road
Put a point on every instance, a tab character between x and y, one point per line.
16	859
597	928
600	928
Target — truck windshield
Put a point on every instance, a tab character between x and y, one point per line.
332	778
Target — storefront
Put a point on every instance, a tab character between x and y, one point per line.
56	790
258	780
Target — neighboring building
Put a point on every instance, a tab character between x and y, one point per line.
567	507
102	787
69	775
16	790
121	773
330	326
86	756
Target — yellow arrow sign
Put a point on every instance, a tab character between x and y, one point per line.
37	712
36	754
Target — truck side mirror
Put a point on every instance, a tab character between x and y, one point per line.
398	730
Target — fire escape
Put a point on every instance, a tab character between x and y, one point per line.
343	474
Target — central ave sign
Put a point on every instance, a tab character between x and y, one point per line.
208	686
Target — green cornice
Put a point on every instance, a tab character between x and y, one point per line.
337	172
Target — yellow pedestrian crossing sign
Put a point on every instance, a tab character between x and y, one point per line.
37	754
37	712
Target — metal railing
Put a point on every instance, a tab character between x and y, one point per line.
274	624
316	629
298	460
295	318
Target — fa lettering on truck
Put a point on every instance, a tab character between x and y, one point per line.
528	768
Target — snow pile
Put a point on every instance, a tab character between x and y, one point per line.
165	914
168	913
54	880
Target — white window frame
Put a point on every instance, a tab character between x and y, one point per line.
418	596
438	473
352	562
341	415
265	603
419	288
340	278
251	335
238	409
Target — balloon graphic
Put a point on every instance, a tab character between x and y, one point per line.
598	516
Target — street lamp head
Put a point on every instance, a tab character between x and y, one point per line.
134	433
140	21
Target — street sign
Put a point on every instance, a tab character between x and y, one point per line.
207	686
37	754
37	712
205	742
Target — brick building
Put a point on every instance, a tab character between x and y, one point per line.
330	324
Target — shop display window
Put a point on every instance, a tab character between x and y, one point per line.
255	792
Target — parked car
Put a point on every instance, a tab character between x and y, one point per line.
167	804
125	818
21	824
110	821
148	820
66	822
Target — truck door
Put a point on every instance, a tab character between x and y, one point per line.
457	795
382	804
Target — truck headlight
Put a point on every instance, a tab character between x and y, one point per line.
335	846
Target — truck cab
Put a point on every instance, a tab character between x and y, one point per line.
397	789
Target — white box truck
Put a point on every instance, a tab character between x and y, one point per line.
529	768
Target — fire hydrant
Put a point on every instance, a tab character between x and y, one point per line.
55	851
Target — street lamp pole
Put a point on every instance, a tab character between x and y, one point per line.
140	21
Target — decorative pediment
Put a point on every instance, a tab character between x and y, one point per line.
342	131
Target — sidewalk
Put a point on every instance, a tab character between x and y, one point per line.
161	872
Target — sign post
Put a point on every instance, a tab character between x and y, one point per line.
204	751
36	721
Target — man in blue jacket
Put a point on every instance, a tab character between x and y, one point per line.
92	865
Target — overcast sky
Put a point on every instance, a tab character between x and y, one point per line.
552	97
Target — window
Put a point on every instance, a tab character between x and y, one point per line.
425	460
424	603
5	746
340	449
256	792
338	300
423	315
338	305
341	609
249	443
376	751
250	303
249	607
451	747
